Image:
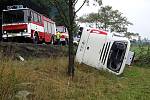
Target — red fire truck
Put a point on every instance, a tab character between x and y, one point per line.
64	34
18	21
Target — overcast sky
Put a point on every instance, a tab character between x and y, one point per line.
137	12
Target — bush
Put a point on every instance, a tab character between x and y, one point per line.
142	54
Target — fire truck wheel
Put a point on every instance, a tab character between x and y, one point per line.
63	43
36	38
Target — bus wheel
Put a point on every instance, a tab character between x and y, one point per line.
36	38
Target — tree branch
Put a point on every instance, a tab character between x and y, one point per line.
81	6
59	8
66	2
75	2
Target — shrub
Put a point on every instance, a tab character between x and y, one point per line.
142	54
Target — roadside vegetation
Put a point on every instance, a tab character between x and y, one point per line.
46	79
142	52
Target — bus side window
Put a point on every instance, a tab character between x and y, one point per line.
53	28
39	19
35	17
26	14
49	28
45	26
31	16
65	30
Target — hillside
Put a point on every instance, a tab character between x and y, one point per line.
28	50
44	77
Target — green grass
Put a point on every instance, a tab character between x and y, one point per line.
50	81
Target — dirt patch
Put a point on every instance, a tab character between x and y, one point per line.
27	50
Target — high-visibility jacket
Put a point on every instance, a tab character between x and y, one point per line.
58	35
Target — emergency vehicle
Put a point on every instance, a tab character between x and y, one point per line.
18	21
104	50
64	38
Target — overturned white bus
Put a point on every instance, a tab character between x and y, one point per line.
103	50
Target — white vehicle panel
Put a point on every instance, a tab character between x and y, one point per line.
103	51
130	58
32	26
92	49
82	45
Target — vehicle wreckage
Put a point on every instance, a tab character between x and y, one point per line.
104	50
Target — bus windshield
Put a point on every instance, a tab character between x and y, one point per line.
13	16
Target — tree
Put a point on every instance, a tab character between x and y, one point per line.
91	18
57	11
108	19
130	34
69	23
68	17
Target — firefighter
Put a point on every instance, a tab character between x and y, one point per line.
58	35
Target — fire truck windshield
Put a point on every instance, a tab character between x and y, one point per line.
60	29
13	16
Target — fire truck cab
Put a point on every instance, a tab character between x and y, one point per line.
64	34
18	21
103	50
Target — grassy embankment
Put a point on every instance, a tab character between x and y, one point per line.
47	80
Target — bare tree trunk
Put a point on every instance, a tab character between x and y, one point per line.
69	23
71	48
71	55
